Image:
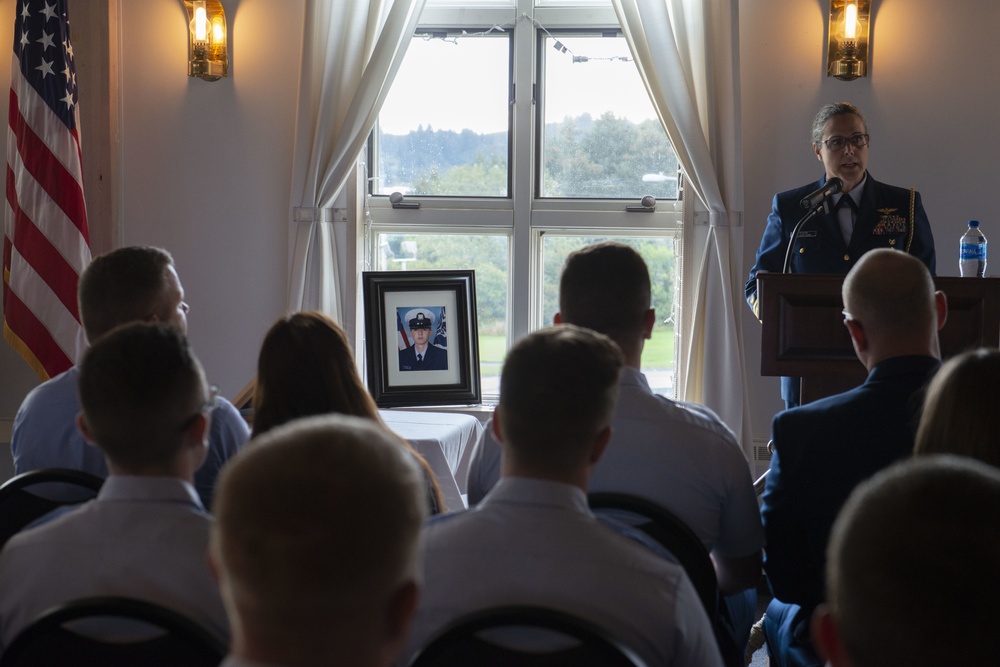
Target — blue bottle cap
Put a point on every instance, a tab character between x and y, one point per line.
973	223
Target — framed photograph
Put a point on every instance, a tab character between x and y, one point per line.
421	337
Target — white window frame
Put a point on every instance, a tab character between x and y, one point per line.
523	216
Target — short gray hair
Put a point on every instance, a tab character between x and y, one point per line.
828	112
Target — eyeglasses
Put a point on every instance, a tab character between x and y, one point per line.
209	406
836	143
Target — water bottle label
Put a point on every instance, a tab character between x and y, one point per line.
972	251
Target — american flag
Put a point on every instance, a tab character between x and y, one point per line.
46	245
402	337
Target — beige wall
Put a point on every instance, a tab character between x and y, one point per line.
205	166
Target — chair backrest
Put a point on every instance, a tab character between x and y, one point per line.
48	640
677	537
667	528
31	495
463	643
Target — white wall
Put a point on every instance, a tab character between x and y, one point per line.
931	103
206	166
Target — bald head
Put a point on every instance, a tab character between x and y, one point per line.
890	296
315	542
911	568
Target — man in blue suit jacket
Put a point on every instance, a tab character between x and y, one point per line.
866	214
824	449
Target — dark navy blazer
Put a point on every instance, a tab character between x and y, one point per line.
435	359
822	451
884	221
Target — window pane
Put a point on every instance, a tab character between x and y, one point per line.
443	129
602	138
658	355
489	256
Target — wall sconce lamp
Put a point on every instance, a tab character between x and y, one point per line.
208	53
847	58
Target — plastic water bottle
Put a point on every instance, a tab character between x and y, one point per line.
972	252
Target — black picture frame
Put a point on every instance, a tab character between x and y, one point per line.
445	298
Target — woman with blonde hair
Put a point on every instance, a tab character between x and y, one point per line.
960	414
306	368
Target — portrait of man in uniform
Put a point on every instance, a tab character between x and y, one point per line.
423	354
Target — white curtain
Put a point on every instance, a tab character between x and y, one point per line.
687	52
351	52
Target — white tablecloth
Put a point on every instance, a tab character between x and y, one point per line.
445	440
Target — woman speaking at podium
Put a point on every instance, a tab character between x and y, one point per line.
852	214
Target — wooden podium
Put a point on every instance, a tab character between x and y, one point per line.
803	333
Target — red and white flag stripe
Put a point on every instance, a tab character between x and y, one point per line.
46	243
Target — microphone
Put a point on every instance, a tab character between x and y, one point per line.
831	187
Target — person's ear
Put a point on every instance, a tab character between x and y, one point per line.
81	426
557	318
648	322
858	334
826	638
600	444
495	425
941	305
399	615
197	431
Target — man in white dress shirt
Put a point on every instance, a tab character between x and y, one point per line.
678	455
147	406
315	545
534	541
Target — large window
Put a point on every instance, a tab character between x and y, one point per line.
524	132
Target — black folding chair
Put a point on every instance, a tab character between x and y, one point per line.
463	643
677	537
31	495
57	638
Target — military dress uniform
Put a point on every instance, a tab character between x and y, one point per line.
433	358
887	217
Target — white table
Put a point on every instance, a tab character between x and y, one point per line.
445	440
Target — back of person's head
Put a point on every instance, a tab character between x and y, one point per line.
141	388
912	575
305	368
827	112
125	285
605	287
315	542
558	390
891	294
957	418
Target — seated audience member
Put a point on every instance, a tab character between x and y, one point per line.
533	540
824	449
306	368
315	544
131	284
912	569
678	455
147	407
958	416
